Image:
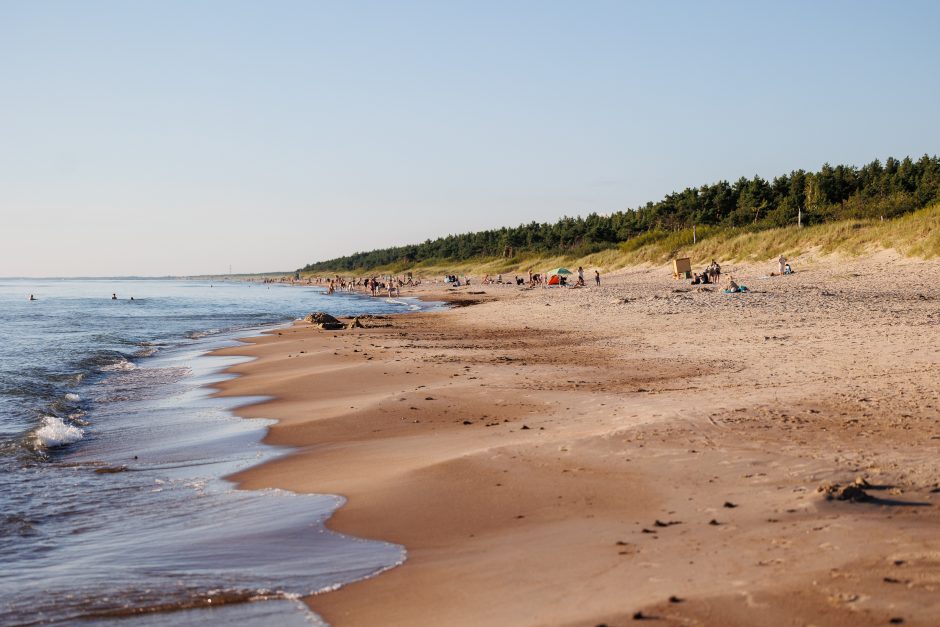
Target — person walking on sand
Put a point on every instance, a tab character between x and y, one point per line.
597	278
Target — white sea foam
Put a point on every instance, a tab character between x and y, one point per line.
54	432
121	366
73	397
411	306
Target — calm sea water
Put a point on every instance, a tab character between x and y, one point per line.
112	506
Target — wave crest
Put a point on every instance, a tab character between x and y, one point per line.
55	432
121	366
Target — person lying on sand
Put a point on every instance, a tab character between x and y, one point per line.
733	286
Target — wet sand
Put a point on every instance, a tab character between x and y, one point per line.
576	456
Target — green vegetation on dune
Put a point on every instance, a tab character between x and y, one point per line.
843	209
915	234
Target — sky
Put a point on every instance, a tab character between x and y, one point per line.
185	137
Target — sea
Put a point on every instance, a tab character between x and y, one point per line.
113	503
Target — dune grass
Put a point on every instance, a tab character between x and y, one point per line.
916	234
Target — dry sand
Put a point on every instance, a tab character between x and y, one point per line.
576	456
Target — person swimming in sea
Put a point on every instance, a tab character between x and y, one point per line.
31	297
113	296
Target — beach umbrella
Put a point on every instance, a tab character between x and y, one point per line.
559	271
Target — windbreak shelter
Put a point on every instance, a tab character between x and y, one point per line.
554	276
682	268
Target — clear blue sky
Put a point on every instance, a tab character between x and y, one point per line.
183	136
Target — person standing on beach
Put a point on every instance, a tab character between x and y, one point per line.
783	264
714	272
580	276
597	278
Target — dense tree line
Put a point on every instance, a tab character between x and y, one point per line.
878	189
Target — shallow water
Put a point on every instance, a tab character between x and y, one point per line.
111	454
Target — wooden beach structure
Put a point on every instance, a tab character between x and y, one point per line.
682	268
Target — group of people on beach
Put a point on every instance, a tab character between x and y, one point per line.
544	280
373	285
712	275
392	285
784	267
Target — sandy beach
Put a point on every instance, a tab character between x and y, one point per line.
641	450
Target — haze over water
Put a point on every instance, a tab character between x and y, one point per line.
111	455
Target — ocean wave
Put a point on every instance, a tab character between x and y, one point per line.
103	361
411	305
73	397
78	418
136	381
121	366
55	432
195	335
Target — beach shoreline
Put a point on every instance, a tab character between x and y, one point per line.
577	456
